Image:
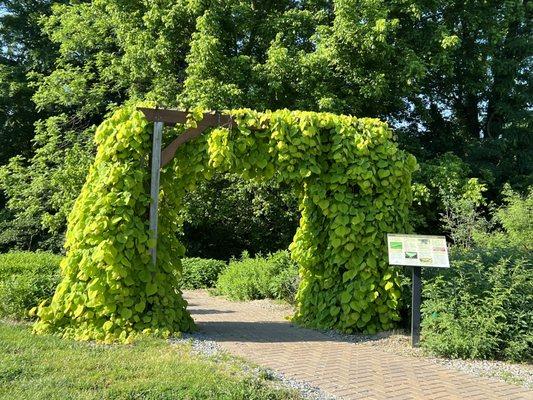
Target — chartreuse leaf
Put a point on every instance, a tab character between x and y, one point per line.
345	168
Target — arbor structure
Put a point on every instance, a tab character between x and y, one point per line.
353	182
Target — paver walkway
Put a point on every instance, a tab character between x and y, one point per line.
341	368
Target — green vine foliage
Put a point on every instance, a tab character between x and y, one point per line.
354	186
110	290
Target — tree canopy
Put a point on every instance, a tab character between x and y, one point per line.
453	78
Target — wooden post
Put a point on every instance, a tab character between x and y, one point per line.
154	185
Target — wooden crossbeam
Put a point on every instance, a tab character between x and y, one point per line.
172	117
168	116
168	152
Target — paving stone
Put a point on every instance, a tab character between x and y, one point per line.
340	368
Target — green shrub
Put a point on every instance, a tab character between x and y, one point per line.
482	307
274	276
200	272
283	276
515	219
244	279
26	279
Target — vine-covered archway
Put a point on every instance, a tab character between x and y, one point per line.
354	185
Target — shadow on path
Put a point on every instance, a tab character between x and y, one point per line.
268	331
206	311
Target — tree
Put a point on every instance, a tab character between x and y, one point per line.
474	96
25	48
100	61
450	76
41	190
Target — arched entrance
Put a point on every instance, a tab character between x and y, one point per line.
353	184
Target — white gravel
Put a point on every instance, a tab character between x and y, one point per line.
201	344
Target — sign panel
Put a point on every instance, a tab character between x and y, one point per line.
418	250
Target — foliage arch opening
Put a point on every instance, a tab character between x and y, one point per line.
353	182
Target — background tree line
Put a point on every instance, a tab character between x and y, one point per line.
452	77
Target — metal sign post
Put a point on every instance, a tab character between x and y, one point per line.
415	306
417	251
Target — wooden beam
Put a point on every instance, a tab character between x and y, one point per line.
172	117
169	151
169	117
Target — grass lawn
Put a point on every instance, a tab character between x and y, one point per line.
45	367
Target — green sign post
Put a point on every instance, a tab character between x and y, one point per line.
417	251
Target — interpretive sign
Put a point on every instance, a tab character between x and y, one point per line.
418	250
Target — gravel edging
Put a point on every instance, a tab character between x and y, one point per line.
204	345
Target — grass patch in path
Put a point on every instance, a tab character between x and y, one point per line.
46	367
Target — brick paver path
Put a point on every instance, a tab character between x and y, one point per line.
341	368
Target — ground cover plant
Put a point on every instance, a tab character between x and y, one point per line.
26	279
353	184
48	368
